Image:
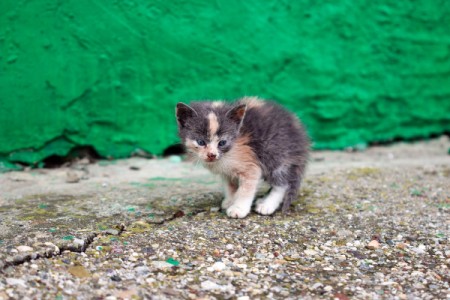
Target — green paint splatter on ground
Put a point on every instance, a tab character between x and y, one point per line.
126	243
173	261
131	209
151	216
107	162
175	159
52	230
68	238
113	239
140	184
440	235
43	206
99	248
417	192
158	178
101	227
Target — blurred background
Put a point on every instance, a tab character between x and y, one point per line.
107	74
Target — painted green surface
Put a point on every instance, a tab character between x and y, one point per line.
108	73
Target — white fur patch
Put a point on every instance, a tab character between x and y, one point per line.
269	204
217	104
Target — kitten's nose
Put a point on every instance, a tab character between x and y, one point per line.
211	155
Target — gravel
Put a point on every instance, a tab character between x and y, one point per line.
361	228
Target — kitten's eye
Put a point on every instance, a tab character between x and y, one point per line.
222	143
201	142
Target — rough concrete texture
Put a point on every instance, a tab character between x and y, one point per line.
108	73
367	225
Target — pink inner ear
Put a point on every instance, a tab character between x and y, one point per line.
240	112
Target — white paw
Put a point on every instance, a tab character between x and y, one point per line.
265	207
227	202
237	211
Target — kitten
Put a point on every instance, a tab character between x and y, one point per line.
244	142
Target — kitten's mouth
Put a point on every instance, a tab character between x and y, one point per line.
211	160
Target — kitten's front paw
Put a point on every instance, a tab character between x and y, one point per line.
264	207
227	202
237	211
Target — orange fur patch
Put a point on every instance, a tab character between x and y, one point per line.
213	124
239	163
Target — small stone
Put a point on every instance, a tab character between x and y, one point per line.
328	288
310	252
116	278
112	231
420	249
215	209
161	264
243	298
216	253
72	177
374	244
132	258
79	242
210	285
400	246
16	281
24	248
447	253
79	271
229	247
142	270
218	266
316	285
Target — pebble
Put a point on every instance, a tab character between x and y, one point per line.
72	177
420	249
209	285
79	242
400	246
229	247
15	281
316	285
160	264
374	244
24	248
310	252
218	266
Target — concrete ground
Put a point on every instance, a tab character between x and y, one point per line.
367	225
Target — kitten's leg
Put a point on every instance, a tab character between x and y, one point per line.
295	179
269	204
244	197
230	187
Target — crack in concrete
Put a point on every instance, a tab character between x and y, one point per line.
19	259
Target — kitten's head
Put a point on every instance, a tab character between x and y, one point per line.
209	129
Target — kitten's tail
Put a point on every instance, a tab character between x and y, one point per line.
295	179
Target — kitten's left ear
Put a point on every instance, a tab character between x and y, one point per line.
184	112
237	113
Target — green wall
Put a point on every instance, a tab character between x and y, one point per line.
108	73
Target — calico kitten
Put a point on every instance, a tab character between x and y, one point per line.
244	142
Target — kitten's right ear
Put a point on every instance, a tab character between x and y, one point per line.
237	113
184	112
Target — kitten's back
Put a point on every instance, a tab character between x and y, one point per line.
276	135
